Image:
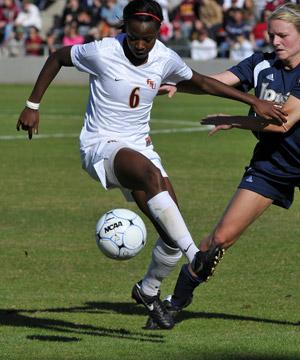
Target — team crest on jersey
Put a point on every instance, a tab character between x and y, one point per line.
151	83
148	141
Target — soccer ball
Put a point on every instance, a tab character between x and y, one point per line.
120	234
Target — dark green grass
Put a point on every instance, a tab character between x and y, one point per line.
60	298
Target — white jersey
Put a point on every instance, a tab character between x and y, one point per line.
121	94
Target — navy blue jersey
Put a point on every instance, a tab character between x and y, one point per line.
276	155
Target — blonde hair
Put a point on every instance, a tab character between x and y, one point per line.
288	12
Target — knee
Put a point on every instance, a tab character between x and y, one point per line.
224	238
153	180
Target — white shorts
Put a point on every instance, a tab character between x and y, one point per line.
98	161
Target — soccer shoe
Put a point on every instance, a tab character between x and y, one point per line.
156	309
205	262
172	310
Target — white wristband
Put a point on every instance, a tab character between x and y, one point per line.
32	105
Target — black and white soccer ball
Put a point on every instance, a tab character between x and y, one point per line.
121	234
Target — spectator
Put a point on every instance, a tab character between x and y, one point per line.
34	43
51	42
236	26
211	14
230	4
165	9
84	21
102	29
71	35
271	5
179	43
186	15
70	12
29	16
250	20
260	31
43	4
202	47
8	14
240	49
259	7
16	43
94	8
111	12
166	29
249	5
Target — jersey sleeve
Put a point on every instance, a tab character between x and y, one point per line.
86	57
245	71
176	69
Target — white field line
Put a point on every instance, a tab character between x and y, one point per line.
196	128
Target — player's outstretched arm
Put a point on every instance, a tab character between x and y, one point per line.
226	122
29	117
211	86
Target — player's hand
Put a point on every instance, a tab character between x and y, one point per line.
168	89
29	121
270	111
220	127
217	122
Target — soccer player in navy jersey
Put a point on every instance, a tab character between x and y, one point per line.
274	170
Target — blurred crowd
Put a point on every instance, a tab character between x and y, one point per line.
199	29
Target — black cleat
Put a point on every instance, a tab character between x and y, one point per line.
156	309
205	262
175	310
172	310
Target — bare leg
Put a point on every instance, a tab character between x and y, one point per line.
243	209
134	171
155	196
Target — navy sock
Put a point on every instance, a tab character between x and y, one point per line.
185	286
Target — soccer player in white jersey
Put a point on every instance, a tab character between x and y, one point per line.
125	75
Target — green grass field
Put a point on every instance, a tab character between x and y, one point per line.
60	298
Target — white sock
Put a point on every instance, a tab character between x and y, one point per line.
166	212
164	260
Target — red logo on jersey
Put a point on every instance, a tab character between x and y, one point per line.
151	83
148	141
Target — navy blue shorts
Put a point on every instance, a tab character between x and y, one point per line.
281	194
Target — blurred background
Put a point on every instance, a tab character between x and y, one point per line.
198	29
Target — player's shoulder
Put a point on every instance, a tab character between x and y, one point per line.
108	43
163	52
259	57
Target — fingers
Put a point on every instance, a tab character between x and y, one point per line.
30	133
31	130
213	131
172	92
283	116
